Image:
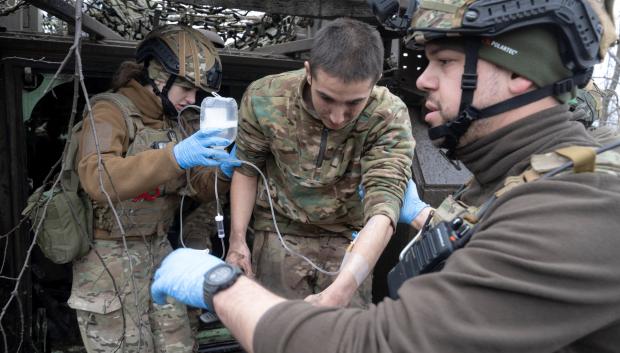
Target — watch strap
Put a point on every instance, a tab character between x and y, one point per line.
210	290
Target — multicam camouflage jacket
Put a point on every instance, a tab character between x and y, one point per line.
314	172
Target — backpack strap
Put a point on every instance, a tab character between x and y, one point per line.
69	179
131	114
133	121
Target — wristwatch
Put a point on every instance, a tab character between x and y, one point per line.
218	278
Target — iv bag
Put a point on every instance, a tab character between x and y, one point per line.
219	113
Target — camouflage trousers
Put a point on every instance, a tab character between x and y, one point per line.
291	276
199	226
111	295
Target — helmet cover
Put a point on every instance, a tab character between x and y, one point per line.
584	26
185	52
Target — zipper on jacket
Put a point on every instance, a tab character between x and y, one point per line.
322	147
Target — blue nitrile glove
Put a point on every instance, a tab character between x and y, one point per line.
228	165
361	192
412	205
181	276
197	150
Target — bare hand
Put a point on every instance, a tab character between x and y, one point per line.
239	254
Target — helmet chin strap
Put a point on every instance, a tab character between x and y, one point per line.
169	110
448	135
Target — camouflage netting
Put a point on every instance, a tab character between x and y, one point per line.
133	19
8	7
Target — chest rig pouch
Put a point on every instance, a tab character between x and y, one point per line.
453	223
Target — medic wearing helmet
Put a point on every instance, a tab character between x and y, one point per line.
135	153
533	263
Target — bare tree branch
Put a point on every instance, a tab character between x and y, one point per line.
613	82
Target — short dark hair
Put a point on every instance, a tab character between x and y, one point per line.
348	49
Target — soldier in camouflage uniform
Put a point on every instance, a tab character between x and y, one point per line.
147	160
317	134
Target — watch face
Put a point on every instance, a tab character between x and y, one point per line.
220	274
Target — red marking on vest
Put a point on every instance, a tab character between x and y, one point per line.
148	196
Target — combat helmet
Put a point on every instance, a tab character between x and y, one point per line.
581	30
183	52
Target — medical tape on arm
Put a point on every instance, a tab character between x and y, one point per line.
357	265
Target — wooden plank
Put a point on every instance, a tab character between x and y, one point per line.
305	8
66	12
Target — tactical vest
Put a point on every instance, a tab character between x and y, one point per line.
152	212
454	222
584	160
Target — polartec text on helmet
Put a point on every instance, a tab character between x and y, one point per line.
506	49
